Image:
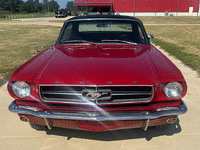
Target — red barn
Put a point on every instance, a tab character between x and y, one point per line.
142	7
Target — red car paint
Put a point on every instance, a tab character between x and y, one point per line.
98	64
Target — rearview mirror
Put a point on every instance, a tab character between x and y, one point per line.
103	25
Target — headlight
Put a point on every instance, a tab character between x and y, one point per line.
21	89
173	89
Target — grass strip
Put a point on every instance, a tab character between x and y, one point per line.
170	19
191	60
19	43
5	17
58	21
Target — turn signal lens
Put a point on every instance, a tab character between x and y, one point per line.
23	118
171	120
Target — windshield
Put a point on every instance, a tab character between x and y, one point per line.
102	31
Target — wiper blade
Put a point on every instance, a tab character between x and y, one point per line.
119	41
78	41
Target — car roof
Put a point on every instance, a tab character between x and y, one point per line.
105	16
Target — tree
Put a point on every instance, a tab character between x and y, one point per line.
29	6
70	6
41	8
7	5
46	5
53	6
19	6
36	6
1	5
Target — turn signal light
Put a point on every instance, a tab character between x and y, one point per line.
171	120
23	118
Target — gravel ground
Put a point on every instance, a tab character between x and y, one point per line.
36	21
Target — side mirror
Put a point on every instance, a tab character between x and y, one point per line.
150	36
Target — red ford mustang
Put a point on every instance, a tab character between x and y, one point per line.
102	74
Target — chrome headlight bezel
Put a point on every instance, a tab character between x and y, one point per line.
21	89
173	90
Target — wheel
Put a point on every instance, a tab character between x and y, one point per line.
56	16
38	127
161	127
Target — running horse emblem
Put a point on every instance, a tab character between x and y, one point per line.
97	95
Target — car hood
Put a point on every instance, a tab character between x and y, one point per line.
99	65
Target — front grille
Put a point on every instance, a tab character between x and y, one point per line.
113	94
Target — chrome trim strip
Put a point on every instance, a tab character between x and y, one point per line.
112	93
92	103
77	101
100	117
88	85
133	94
112	19
61	93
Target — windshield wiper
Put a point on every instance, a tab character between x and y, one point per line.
78	41
119	41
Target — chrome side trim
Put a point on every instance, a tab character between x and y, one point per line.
100	116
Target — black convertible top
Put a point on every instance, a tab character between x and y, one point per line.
105	16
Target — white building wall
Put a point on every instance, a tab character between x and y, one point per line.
159	14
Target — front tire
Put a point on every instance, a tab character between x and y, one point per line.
38	127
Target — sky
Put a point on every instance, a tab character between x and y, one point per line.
62	3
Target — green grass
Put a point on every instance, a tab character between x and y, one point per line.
184	36
170	19
58	21
191	60
20	43
183	42
4	20
9	17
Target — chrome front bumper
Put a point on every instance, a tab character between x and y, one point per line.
103	116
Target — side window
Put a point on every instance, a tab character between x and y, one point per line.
140	33
67	33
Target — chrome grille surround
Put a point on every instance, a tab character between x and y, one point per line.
119	93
